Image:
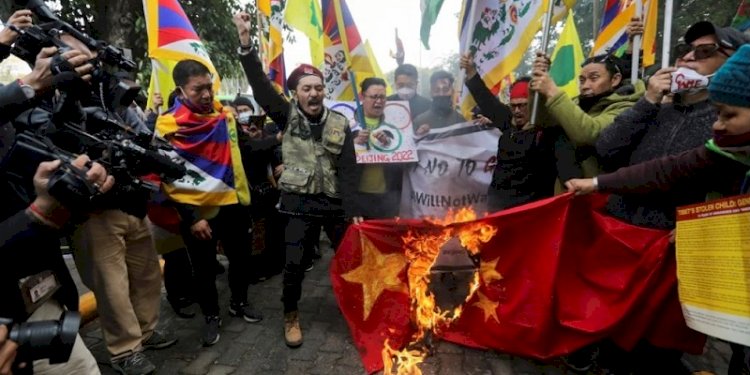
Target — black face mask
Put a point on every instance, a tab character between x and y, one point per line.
442	104
587	102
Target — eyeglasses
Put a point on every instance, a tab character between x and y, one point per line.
700	52
376	97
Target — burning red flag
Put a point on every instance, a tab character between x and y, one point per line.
552	276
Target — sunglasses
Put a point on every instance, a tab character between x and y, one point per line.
700	52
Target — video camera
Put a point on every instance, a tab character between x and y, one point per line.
83	118
115	90
51	339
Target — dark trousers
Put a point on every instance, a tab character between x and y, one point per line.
178	276
230	226
302	230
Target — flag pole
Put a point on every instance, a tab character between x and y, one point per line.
637	42
353	82
667	41
358	112
467	40
545	46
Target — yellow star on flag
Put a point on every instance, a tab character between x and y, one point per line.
488	271
377	273
488	307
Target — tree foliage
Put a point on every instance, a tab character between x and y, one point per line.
122	23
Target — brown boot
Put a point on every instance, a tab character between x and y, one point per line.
292	330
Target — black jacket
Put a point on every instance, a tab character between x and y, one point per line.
26	247
528	161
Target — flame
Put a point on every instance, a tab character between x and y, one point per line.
421	251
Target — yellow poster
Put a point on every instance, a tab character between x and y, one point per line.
713	267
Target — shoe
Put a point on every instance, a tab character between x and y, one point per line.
309	267
158	341
211	334
292	330
181	307
245	310
134	364
581	360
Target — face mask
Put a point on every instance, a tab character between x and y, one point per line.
442	104
587	102
731	140
406	93
243	118
686	80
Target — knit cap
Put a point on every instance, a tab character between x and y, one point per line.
731	84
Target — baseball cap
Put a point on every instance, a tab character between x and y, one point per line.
728	37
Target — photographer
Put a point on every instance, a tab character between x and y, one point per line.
36	226
117	260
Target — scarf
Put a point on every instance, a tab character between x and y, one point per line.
207	144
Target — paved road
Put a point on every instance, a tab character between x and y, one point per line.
259	348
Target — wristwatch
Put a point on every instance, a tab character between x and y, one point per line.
28	91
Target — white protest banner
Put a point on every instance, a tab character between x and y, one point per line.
454	170
391	142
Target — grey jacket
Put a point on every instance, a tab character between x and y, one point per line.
649	131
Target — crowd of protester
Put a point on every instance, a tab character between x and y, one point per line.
294	173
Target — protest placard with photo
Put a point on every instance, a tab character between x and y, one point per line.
391	142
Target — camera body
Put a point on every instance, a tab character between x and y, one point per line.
83	118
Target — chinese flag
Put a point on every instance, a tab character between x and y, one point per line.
558	275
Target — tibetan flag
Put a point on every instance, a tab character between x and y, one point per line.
344	51
306	16
567	59
430	10
171	38
497	34
651	27
582	277
207	145
741	20
277	74
612	35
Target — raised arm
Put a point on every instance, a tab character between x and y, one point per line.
264	93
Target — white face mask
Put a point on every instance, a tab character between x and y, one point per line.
406	93
686	80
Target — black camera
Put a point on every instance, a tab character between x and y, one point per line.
112	89
85	118
52	339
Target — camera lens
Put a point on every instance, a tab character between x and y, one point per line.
51	339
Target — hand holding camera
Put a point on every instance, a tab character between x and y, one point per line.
46	207
7	351
41	77
21	19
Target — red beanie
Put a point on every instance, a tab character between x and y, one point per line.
519	90
302	71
